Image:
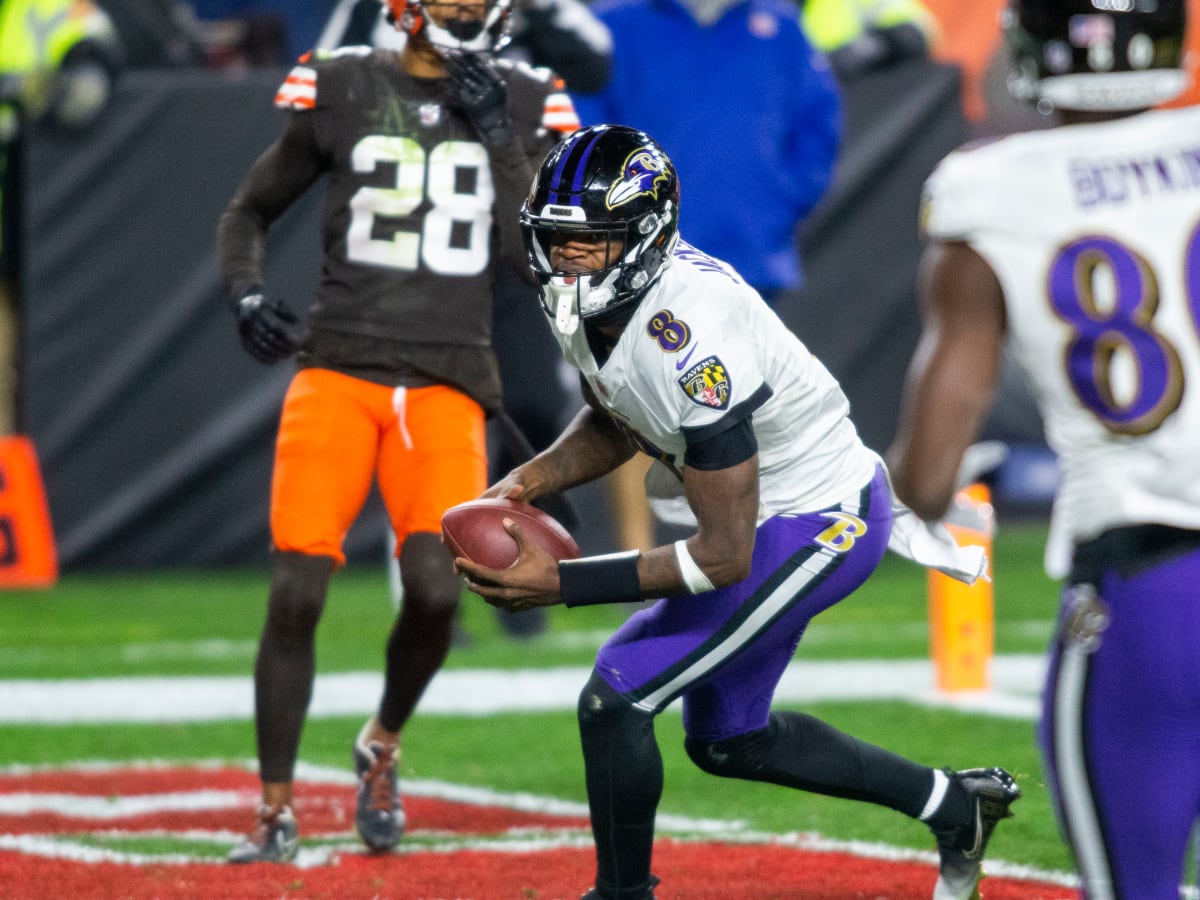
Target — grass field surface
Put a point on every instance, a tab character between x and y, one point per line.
165	629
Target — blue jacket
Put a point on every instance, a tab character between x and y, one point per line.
747	110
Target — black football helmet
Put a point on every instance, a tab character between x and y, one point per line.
1096	55
604	183
476	35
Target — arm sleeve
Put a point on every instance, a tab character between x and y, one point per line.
276	180
728	441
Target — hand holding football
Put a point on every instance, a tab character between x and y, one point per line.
475	530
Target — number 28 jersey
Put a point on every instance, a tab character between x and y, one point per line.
411	201
1092	231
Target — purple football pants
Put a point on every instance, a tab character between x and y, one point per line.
724	651
1120	733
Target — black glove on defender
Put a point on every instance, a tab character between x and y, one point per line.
478	87
268	329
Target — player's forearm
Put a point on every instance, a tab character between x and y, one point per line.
718	555
725	503
241	247
589	448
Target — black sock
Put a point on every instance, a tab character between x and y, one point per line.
954	808
624	783
800	751
283	671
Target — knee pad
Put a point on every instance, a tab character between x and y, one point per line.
740	756
601	708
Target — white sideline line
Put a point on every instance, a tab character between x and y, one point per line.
1015	692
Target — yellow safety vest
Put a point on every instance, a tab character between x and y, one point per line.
830	24
35	35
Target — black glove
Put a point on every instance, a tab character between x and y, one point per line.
476	85
268	329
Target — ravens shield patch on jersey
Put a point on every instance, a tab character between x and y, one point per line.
707	383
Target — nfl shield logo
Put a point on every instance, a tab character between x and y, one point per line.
431	114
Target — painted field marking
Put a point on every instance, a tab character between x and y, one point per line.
1016	681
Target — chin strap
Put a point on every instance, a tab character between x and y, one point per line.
563	301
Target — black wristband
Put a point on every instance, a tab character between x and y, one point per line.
612	578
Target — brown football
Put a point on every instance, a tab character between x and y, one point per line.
475	530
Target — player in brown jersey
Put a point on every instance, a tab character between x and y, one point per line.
426	155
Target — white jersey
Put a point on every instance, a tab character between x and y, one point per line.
701	346
1093	233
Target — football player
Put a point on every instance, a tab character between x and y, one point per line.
1077	248
425	154
684	361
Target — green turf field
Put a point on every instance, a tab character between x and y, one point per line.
206	623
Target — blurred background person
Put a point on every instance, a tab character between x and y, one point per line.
865	35
753	110
58	64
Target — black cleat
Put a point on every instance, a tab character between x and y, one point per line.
641	892
992	792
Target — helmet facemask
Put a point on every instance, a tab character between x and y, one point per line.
458	34
632	254
614	189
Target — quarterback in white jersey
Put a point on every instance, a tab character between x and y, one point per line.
1078	248
684	361
709	349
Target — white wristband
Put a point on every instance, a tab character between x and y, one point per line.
697	582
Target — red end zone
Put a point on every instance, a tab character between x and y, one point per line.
133	833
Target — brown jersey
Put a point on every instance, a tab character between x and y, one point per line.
410	216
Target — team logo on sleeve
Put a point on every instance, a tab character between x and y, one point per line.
707	383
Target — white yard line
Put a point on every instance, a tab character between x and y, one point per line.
1016	685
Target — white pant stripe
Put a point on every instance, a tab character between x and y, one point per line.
1078	808
767	610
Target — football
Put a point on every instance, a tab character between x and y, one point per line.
475	530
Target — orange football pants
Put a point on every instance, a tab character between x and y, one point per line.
425	447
